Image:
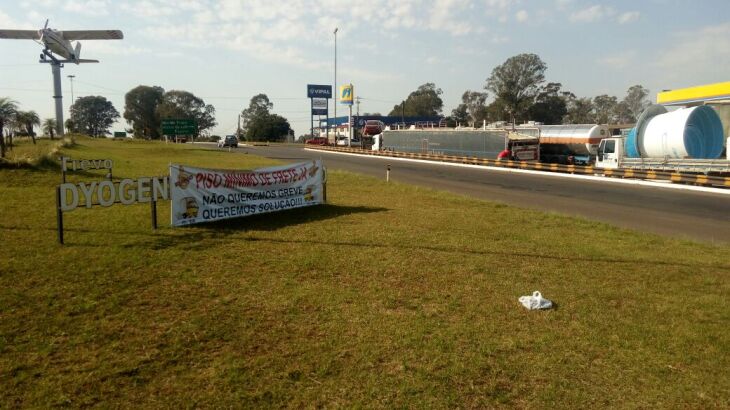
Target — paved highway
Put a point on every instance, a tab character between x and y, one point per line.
679	213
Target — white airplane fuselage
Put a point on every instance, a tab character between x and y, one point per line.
55	42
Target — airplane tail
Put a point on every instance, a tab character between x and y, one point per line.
77	50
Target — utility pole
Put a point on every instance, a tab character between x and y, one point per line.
357	115
71	77
336	89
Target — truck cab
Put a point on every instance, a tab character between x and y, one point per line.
610	152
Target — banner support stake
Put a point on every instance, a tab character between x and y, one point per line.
59	215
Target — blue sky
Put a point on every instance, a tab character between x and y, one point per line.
227	51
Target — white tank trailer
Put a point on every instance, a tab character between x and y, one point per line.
579	141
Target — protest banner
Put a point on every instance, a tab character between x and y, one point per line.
205	195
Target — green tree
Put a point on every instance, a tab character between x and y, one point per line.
580	111
459	115
140	111
476	106
516	83
633	104
260	124
8	108
93	115
425	101
550	105
70	126
28	119
271	127
496	111
604	109
259	107
177	104
49	127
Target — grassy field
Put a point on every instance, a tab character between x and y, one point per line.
388	296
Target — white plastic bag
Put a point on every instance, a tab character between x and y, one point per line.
536	301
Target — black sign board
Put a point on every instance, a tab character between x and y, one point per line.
319	91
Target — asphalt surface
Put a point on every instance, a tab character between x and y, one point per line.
673	212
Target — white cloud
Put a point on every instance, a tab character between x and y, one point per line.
628	17
522	16
6	21
591	14
445	16
499	5
695	57
148	9
39	3
92	48
619	60
88	7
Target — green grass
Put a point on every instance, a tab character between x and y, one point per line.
388	296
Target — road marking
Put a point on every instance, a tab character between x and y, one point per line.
656	184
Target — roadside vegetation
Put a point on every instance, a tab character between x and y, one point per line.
388	296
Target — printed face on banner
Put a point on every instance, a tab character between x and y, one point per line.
204	195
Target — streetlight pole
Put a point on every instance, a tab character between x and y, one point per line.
71	77
336	91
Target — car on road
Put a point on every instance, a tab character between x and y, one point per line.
228	141
373	127
316	141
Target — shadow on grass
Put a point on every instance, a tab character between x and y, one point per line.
190	237
448	249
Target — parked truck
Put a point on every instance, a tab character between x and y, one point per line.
687	140
612	155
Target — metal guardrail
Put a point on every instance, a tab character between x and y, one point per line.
681	177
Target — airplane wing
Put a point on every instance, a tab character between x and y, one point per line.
20	34
93	35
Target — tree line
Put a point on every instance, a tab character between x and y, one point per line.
521	94
147	106
15	122
144	109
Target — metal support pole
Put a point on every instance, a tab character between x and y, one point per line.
336	90
57	96
59	215
324	185
153	211
349	127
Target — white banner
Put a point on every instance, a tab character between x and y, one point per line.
204	195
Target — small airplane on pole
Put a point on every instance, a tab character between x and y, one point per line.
59	42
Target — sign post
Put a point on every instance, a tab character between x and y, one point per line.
178	127
347	94
70	196
319	96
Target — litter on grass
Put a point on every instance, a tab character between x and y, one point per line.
536	301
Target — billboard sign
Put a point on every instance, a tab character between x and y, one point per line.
347	94
319	106
319	91
205	195
179	127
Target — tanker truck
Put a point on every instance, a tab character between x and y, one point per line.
687	140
